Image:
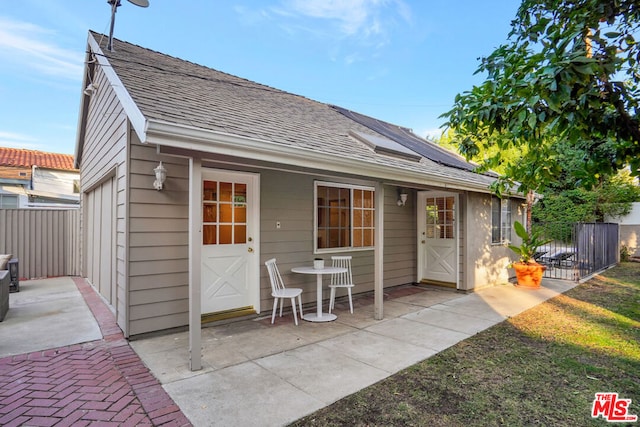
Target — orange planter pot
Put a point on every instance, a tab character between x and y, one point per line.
529	275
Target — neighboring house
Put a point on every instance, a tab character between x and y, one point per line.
255	173
630	230
38	180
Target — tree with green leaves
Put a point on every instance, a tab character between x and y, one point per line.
563	205
568	75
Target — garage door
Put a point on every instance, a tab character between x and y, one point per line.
100	255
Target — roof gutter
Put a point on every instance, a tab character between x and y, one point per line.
197	139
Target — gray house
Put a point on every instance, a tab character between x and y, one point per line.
253	173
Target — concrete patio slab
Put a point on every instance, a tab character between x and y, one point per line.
250	363
101	382
325	362
445	319
377	350
42	315
430	297
322	373
471	305
312	365
241	395
419	334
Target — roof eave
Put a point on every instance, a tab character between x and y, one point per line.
135	116
197	139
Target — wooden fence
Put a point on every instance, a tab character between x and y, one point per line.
47	242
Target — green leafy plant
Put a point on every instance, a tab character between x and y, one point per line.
531	242
625	253
566	75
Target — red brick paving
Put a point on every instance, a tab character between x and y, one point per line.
99	383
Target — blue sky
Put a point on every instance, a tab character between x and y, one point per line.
397	60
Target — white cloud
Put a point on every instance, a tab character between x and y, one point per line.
251	16
17	140
433	133
27	45
361	18
355	29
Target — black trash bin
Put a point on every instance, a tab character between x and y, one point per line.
14	275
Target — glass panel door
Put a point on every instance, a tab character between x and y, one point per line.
224	216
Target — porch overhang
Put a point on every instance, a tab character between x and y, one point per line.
195	239
200	140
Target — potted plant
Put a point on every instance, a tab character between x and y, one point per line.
528	271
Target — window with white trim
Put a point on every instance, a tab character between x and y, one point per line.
500	220
345	217
8	201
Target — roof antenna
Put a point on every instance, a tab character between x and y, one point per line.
114	6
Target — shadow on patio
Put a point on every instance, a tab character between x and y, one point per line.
251	365
235	342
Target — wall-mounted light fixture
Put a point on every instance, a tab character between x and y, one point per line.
90	89
402	196
161	176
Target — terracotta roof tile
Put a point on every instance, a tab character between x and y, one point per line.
18	157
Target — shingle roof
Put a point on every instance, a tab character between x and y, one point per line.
408	139
18	157
179	92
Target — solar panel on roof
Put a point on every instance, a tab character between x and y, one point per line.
409	140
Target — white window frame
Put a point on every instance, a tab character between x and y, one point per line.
4	198
351	187
504	227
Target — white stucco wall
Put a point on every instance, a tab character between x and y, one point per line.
486	263
633	218
630	230
55	181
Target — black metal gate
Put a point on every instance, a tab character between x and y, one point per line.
578	250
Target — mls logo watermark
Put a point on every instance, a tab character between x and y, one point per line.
612	408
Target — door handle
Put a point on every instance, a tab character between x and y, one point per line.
250	239
250	250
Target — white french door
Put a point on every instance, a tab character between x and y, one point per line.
230	256
438	237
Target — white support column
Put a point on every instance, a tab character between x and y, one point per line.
378	274
195	265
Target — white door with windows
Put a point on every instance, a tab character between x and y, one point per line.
230	256
438	238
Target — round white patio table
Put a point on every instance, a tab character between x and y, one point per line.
319	316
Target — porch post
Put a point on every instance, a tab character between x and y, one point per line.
195	239
378	273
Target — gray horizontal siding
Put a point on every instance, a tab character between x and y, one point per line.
158	262
288	198
158	241
104	157
400	251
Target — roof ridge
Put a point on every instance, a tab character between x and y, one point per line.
204	68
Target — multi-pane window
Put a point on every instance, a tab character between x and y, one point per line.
345	216
440	217
500	220
8	201
224	213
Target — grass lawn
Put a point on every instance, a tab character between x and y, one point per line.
542	367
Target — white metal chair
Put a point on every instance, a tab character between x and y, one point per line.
341	280
280	292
